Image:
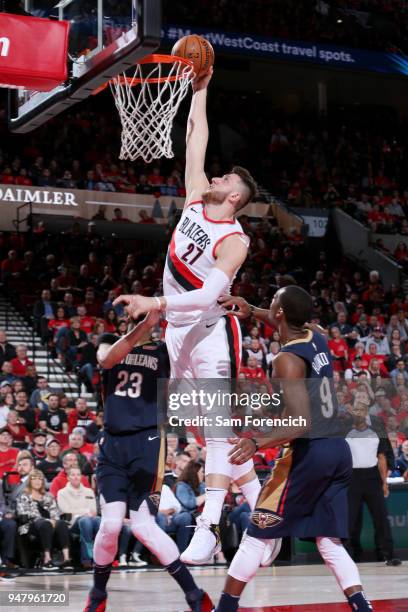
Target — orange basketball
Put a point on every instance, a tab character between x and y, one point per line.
197	49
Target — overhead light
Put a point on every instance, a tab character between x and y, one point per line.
339	21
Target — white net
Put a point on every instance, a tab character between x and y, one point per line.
147	104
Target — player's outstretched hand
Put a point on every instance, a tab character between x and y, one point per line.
317	328
243	449
152	318
136	305
241	307
201	82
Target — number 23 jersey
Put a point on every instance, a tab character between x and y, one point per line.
191	257
130	389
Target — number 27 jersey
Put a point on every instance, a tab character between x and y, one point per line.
130	388
191	257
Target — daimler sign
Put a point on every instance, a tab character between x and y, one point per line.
37	196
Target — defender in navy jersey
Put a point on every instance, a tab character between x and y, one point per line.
130	466
306	494
131	460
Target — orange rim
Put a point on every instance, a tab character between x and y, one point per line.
149	59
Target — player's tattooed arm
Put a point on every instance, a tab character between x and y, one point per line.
109	355
290	370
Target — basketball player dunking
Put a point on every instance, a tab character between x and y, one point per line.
206	251
306	494
130	466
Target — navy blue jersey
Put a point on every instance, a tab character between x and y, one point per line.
130	387
315	352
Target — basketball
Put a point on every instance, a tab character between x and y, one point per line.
197	49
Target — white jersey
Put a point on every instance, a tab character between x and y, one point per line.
191	257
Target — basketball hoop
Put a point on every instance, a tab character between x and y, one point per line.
147	103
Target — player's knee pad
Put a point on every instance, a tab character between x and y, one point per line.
247	559
339	562
148	532
216	461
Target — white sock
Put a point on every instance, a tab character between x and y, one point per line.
251	491
214	501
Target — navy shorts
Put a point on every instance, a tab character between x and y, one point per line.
130	468
306	493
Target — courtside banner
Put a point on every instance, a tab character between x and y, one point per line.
296	51
33	52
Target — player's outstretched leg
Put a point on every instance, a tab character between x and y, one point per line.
250	487
147	531
105	549
345	571
243	568
206	541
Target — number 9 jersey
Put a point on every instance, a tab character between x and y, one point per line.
315	352
130	389
191	257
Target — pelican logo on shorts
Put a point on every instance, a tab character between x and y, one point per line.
155	499
5	46
264	519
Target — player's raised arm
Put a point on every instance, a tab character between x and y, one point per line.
109	355
197	140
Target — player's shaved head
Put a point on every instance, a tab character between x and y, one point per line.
297	305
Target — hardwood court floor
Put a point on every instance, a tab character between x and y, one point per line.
283	589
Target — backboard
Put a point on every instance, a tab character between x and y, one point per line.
106	38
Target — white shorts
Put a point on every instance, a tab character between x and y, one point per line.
211	349
200	355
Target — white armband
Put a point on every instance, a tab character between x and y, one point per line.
214	285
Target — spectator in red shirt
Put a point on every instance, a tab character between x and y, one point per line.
86	322
252	370
145	218
81	416
119	216
68	461
377	369
21	362
155	178
12	266
111	321
60	321
244	287
92	304
83	450
18	431
338	349
23	179
8	454
372	354
7	177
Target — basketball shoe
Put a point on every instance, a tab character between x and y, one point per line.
96	601
202	603
204	544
